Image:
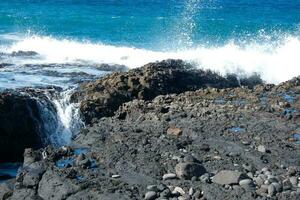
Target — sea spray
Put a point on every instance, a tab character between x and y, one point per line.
59	118
275	61
67	122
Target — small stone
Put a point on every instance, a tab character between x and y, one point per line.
263	177
178	190
287	185
191	191
115	176
205	178
194	178
152	188
174	131
150	195
246	182
265	169
165	193
262	192
198	194
169	176
294	180
227	187
278	187
250	175
185	197
249	167
259	181
267	182
161	187
261	148
204	147
271	190
217	157
246	142
267	173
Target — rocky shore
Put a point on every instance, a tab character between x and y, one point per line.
169	131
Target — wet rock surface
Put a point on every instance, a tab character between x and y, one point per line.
19	125
203	144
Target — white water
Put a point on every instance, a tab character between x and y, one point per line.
274	61
67	119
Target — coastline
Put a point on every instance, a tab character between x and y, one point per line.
165	131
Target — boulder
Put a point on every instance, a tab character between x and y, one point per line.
188	170
19	125
52	186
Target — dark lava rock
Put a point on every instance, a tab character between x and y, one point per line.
24	53
20	123
104	96
188	170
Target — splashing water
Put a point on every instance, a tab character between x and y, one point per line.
275	61
61	118
187	25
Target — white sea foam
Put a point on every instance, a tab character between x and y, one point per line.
276	62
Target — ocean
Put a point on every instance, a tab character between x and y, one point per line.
227	36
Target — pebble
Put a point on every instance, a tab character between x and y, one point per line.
198	194
278	187
294	180
150	195
271	190
174	131
165	193
246	143
152	188
265	169
178	190
246	182
267	173
249	168
169	176
115	176
191	191
259	181
286	184
250	175
205	178
261	148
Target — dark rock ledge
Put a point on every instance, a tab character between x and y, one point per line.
103	97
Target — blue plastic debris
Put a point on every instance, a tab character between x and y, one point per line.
63	163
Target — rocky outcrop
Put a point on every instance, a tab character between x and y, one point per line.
104	96
20	123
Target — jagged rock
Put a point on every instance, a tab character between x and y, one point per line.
104	96
53	187
19	125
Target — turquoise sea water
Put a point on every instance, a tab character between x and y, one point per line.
241	36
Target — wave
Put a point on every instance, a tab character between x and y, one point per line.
274	61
